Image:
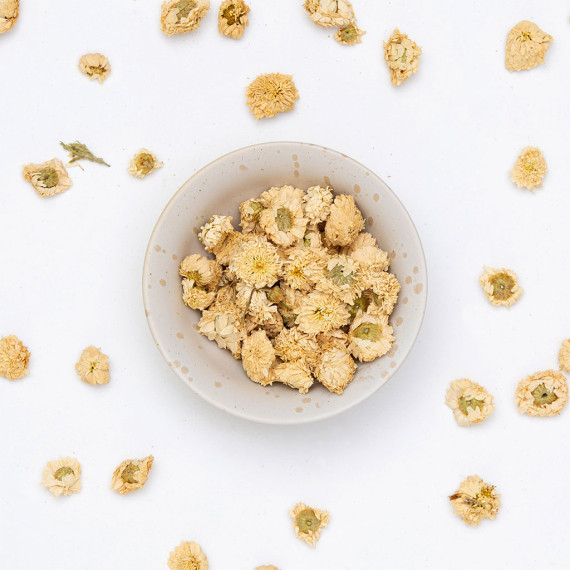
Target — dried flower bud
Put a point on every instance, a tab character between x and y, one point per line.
131	475
93	366
542	394
564	356
9	10
529	169
308	522
475	500
187	556
182	16
14	358
501	286
402	56
471	403
61	476
143	163
48	178
232	19
270	94
349	35
95	66
328	13
526	46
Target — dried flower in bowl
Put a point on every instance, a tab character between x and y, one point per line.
182	16
93	366
95	66
62	476
402	56
329	13
48	178
187	556
370	337
131	475
232	19
542	394
344	223
470	402
14	358
143	163
349	35
258	357
475	500
271	94
501	286
529	169
564	356
9	10
526	46
308	522
335	368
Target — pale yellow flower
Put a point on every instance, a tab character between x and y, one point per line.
385	288
201	271
257	262
470	402
292	345
62	476
294	374
303	268
363	239
224	327
312	238
273	326
308	522
317	203
230	246
475	500
14	358
542	394
402	56
349	35
187	556
282	217
250	211
95	66
329	13
342	277
9	10
182	16
345	221
529	169
258	356
501	286
270	94
93	366
564	356
143	163
131	475
335	338
232	19
48	178
196	297
526	46
321	312
373	259
370	337
335	368
213	234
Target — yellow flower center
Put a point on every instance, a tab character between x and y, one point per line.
63	472
47	177
503	285
128	475
542	396
190	563
229	15
144	163
307	521
465	403
368	331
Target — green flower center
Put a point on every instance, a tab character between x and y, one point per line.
348	34
184	8
128	475
542	396
307	521
368	331
472	403
360	304
284	219
63	472
48	177
257	209
338	277
503	285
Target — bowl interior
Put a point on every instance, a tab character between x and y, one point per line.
219	188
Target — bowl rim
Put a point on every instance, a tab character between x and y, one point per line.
145	291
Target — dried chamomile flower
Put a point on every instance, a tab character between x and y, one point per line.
342	277
9	10
93	366
321	312
470	402
258	356
213	233
317	204
475	500
187	556
370	337
564	356
201	271
282	218
131	475
196	297
526	46
501	286
385	288
349	35
95	66
363	239
14	358
224	327
302	268
270	94
335	369
182	16
232	18
61	476
374	259
250	211
529	169
308	522
542	394
295	375
401	55
78	151
292	345
257	262
329	13
48	178
345	221
265	567
143	163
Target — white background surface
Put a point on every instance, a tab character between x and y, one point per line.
70	274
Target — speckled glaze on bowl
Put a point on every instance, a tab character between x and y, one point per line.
219	188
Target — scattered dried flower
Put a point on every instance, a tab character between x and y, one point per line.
14	358
542	394
187	556
349	35
62	476
470	402
78	151
308	522
143	163
93	366
564	356
526	46
402	56
182	16
529	169
270	94
258	356
329	13
9	10
95	66
232	19
475	500
48	178
501	286
131	475
345	221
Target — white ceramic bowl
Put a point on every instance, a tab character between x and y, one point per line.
219	188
